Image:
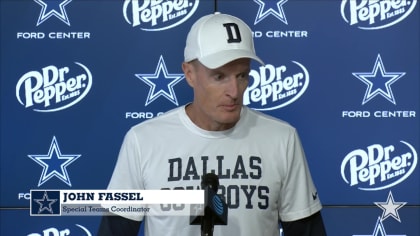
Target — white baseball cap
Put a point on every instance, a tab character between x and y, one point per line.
217	39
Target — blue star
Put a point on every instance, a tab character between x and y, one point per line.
53	8
45	203
54	164
161	85
276	9
379	83
379	230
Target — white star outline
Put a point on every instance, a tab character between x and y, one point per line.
390	207
41	203
279	14
54	152
44	15
379	228
148	79
365	77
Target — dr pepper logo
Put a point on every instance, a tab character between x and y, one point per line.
379	166
54	88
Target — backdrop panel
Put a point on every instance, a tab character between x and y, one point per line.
77	74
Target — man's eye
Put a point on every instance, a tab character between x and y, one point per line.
218	77
243	76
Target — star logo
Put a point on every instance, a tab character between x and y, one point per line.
53	8
379	81
161	83
270	7
54	164
390	208
379	230
45	203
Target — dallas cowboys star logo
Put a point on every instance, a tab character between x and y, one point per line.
161	83
390	208
45	203
53	8
54	164
270	7
379	83
379	230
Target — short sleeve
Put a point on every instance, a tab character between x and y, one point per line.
127	171
298	195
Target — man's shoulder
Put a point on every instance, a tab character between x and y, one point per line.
159	121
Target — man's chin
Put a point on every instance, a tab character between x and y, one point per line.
231	119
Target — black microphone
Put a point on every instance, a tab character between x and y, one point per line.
214	209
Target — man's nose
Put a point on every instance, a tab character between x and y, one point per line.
232	87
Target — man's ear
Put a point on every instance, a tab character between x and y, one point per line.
187	68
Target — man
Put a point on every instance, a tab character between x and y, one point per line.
259	160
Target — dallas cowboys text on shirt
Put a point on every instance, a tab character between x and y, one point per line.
244	169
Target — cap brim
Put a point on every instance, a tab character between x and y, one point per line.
221	58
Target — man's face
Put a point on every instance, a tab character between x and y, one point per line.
218	93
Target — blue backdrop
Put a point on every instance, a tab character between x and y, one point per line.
77	74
